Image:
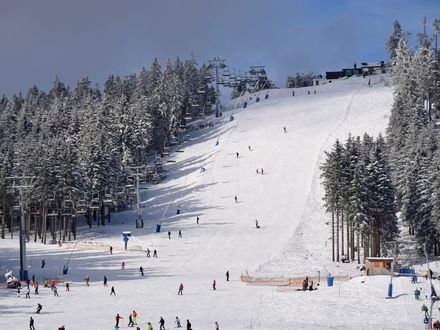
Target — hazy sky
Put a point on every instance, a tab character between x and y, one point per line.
40	39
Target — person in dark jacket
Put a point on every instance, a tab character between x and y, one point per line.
162	323
188	325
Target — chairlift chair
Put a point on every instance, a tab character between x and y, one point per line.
108	200
67	207
81	207
52	208
95	204
201	91
35	209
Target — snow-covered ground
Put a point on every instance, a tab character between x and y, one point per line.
293	239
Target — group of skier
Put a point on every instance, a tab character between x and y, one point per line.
132	321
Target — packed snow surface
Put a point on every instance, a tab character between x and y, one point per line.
293	239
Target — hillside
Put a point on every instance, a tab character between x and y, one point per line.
293	238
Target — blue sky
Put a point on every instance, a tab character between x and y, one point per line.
71	39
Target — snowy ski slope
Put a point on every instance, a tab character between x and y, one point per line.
293	239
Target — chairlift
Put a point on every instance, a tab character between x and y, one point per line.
52	208
108	200
81	207
35	209
95	204
67	208
130	183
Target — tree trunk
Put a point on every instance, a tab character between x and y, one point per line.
333	235
337	234
342	232
348	239
358	247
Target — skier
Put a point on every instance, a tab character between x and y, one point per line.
105	281
262	171
55	291
178	325
87	279
258	172
117	318
214	284
36	287
154	253
293	93
249	147
134	316
216	326
39	308
180	292
141	269
256	224
237	154
162	323
43	263
123	265
188	325
130	321
28	293
236	199
67	286
227	275
46	283
31	324
197	220
148	253
169	234
111	249
18	292
112	291
180	233
150	326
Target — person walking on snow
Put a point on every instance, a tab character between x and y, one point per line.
256	224
180	233
87	279
262	171
258	172
46	283
249	147
236	199
149	326
180	292
285	130
111	249
130	321
31	324
141	269
162	323
112	291
43	263
148	253
117	318
55	291
188	325
134	316
216	326
18	292
227	275
28	293
214	284
197	220
36	287
154	253
105	281
237	154
67	286
169	234
123	265
178	325
39	308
